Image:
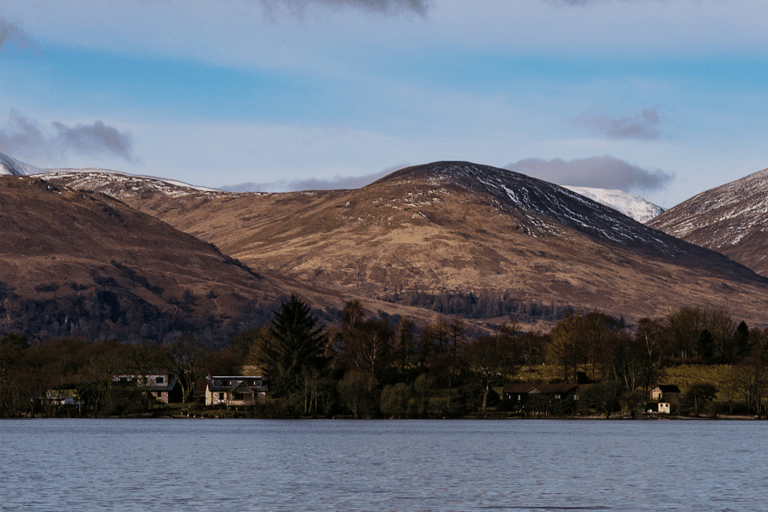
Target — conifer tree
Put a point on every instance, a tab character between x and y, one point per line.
297	345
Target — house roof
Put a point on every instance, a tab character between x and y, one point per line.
216	383
169	381
551	389
521	388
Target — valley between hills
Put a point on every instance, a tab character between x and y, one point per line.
449	237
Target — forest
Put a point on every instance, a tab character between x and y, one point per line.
362	366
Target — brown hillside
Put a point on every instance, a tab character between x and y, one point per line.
77	263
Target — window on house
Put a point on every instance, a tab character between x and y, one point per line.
221	396
159	380
238	396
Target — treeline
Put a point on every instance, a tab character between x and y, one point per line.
377	366
485	304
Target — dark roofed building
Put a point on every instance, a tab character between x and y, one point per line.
234	389
520	391
162	385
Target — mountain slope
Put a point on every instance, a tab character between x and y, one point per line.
84	264
731	219
463	230
629	204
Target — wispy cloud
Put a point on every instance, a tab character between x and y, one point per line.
336	183
596	172
11	33
643	125
25	138
591	2
95	138
382	6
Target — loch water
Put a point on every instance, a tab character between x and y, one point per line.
339	465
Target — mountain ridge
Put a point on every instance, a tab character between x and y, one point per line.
731	219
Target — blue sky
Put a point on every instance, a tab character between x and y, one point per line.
663	98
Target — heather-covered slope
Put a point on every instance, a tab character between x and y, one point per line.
460	228
78	263
731	219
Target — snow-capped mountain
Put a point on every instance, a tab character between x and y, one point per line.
14	167
629	204
731	219
541	199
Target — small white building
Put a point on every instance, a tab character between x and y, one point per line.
234	389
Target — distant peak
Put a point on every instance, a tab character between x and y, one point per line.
629	204
9	165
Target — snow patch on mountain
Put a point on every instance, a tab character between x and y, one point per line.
629	204
721	217
14	167
118	184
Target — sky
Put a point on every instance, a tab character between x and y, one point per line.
661	98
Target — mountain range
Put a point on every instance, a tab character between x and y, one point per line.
454	237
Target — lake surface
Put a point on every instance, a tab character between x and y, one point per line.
232	465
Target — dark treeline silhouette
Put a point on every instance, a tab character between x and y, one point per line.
351	363
116	314
484	304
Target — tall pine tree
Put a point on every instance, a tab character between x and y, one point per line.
297	346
